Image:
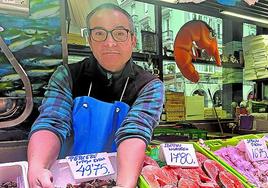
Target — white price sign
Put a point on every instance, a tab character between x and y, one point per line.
256	149
89	166
177	154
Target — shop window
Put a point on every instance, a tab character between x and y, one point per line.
201	92
217	98
146	8
143	15
133	8
249	29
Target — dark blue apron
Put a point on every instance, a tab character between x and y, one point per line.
95	123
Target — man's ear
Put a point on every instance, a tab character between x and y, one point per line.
89	42
134	41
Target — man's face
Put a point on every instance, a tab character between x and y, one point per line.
111	55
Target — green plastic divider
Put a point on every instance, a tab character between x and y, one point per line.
261	135
143	184
247	136
190	133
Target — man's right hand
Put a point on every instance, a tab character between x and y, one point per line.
43	150
40	177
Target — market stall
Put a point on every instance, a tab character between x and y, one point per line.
211	57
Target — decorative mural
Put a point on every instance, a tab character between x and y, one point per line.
35	41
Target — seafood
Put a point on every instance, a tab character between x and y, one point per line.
20	44
9	184
50	11
202	34
97	183
209	174
36	62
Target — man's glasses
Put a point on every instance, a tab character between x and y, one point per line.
100	35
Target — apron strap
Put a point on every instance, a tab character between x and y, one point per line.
89	90
124	89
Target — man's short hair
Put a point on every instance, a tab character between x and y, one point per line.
111	7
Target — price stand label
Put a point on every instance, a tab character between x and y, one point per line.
176	154
256	149
88	166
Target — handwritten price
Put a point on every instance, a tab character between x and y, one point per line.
254	142
259	153
182	158
96	169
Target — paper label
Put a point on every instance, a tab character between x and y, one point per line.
256	149
176	154
90	165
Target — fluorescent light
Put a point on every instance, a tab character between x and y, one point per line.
12	7
256	19
170	1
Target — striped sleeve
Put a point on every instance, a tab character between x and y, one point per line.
56	109
144	114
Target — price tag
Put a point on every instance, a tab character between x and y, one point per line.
256	149
90	166
176	154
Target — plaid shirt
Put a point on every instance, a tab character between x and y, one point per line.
56	109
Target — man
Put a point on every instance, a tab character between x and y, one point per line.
109	75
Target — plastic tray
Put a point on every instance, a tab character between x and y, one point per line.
218	144
62	174
143	184
16	171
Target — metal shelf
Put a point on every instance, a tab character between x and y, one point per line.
233	65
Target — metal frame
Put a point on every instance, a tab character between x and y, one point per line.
27	84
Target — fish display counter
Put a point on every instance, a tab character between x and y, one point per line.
14	174
232	154
209	173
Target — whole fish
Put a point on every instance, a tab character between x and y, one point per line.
18	45
47	12
10	77
6	85
15	93
30	73
30	31
40	72
9	39
36	2
37	86
35	62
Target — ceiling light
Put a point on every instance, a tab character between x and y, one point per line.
256	19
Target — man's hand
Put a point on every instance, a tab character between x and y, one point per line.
40	177
43	150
